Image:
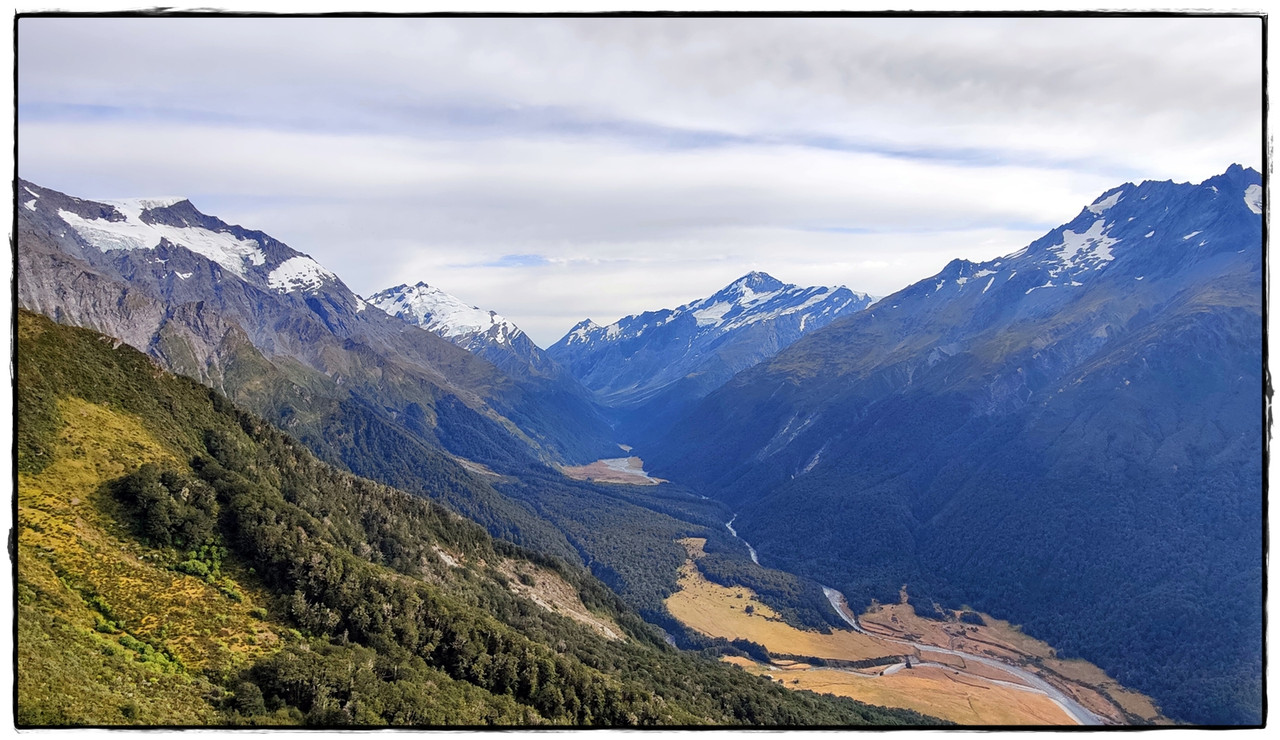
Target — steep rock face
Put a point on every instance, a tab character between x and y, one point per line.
650	366
1069	436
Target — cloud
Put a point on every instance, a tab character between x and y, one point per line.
553	169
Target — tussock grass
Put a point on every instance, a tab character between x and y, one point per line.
108	632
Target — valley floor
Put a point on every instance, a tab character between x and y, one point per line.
989	674
623	470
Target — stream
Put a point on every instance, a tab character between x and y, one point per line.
729	526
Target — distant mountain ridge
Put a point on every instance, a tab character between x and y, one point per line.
1069	436
648	366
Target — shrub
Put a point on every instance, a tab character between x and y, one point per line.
192	568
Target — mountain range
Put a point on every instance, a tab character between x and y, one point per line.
372	393
1068	437
181	285
285	337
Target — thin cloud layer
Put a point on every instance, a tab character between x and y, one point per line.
554	169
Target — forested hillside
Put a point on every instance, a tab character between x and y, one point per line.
182	562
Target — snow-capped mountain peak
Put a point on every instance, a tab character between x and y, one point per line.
128	228
1132	232
636	356
581	331
752	283
485	333
442	313
758	296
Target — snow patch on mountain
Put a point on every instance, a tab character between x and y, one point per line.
133	208
712	315
1253	198
754	298
1102	205
695	347
299	273
1086	249
581	333
229	251
751	299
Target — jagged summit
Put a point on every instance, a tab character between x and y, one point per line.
756	281
1156	226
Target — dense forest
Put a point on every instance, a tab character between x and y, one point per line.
181	562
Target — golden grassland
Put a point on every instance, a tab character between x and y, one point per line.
97	611
960	694
599	472
1081	680
721	611
939	692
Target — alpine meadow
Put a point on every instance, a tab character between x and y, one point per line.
647	370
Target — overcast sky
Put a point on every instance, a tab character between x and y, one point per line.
558	169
